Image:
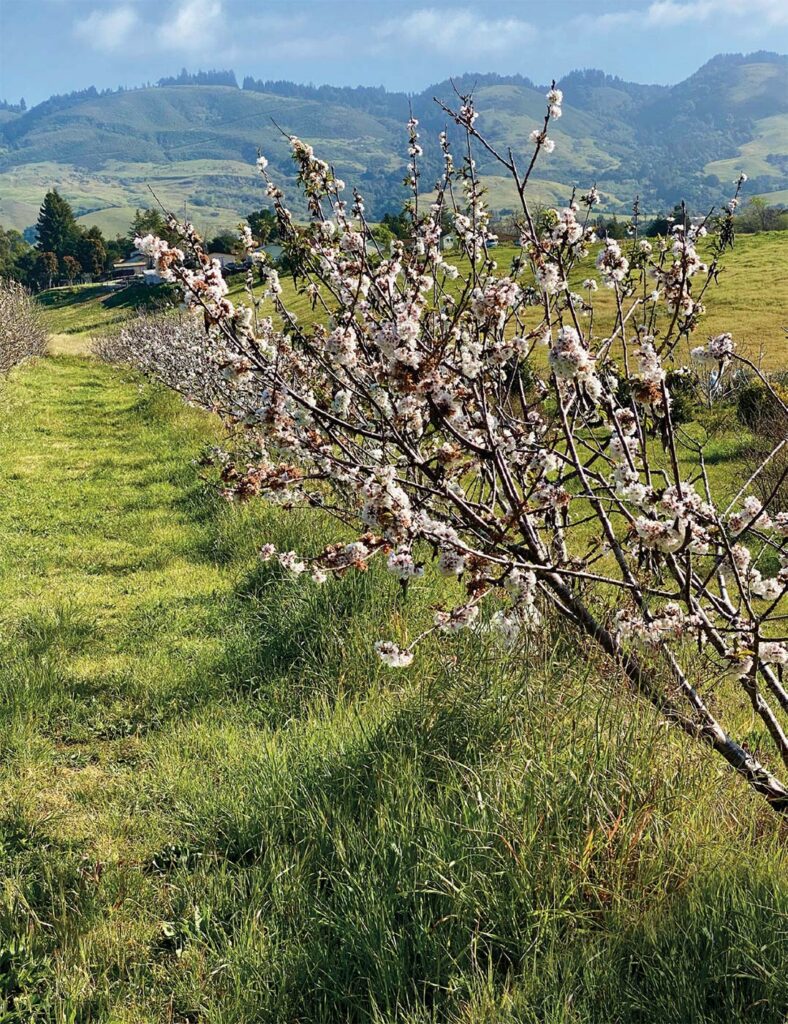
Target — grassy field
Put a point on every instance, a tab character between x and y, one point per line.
218	806
750	301
76	314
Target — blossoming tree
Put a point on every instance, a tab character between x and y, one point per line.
21	332
444	409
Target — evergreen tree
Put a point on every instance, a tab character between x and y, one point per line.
225	242
263	226
151	222
118	248
56	229
663	225
92	252
399	224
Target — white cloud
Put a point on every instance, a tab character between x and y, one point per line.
109	31
673	12
196	26
460	33
670	13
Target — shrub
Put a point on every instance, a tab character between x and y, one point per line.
22	335
761	408
756	402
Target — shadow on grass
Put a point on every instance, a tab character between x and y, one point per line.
60	298
141	296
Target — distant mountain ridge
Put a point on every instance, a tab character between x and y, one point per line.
194	138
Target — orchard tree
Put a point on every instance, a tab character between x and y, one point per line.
453	411
22	334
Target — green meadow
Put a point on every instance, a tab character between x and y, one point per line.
219	807
750	300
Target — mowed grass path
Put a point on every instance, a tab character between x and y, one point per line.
218	808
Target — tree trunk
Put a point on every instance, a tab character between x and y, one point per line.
701	725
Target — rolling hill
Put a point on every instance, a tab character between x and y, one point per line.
195	144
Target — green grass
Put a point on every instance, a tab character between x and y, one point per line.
77	313
218	807
750	301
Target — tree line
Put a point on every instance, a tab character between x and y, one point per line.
64	251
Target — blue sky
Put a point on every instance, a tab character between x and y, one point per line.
51	46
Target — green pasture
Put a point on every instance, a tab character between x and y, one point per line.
750	301
219	807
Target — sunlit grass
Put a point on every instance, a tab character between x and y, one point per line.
218	806
750	301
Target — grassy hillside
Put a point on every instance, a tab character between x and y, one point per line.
770	137
219	807
196	145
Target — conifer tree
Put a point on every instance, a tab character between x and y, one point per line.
56	229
